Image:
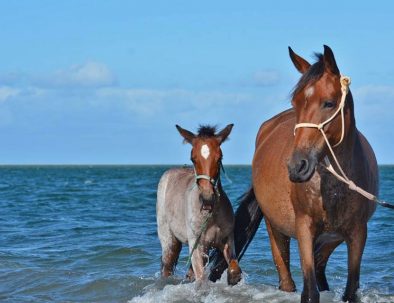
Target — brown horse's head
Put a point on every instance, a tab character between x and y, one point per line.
206	156
315	99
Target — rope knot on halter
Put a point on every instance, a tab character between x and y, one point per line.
345	83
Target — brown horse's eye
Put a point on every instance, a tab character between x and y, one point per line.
329	104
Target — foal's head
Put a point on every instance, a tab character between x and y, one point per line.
206	156
315	99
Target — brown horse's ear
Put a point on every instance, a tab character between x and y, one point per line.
300	63
224	133
329	61
187	135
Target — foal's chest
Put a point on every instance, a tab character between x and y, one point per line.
215	235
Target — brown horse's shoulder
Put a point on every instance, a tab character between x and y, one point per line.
287	116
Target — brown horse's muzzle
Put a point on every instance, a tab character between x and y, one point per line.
302	166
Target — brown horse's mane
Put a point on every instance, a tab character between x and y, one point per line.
314	73
206	131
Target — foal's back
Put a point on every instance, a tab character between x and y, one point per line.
175	188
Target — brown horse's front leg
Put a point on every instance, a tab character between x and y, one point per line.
305	235
280	246
355	244
323	249
234	272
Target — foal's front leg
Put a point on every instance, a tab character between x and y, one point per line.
198	259
305	235
234	271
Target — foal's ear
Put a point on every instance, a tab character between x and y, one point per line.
187	135
300	63
223	134
329	60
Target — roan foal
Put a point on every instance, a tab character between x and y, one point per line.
193	209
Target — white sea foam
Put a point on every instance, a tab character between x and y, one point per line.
220	292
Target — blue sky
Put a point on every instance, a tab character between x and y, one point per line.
106	81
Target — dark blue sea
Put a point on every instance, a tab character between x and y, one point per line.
88	234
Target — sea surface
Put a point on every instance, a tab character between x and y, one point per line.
88	234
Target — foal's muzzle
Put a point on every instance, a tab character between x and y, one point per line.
208	193
301	166
207	199
208	187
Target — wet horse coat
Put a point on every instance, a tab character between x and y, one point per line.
298	197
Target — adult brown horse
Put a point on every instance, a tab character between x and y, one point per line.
297	195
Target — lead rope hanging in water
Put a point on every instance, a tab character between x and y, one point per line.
204	226
345	82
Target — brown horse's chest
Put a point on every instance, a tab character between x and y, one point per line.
323	199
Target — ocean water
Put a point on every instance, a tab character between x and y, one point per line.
88	234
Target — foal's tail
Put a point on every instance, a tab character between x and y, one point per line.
247	220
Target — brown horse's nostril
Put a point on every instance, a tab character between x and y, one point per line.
303	167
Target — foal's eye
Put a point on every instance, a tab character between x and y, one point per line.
329	104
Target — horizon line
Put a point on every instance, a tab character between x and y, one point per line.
130	164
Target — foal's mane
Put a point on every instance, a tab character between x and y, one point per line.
314	73
205	131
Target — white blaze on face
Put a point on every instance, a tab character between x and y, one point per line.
309	91
205	151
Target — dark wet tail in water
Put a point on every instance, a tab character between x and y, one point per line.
247	220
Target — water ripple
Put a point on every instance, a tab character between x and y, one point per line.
88	234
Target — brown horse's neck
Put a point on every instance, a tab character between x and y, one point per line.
344	151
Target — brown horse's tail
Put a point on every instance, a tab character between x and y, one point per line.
247	220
